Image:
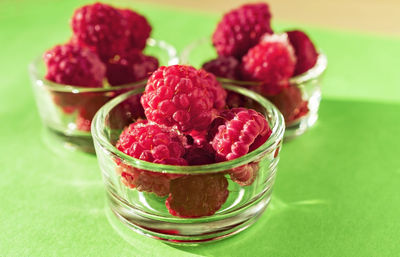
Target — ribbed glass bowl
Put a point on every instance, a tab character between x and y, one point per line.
60	106
306	85
147	213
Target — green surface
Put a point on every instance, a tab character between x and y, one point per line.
337	190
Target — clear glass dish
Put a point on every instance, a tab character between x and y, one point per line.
147	213
61	106
307	84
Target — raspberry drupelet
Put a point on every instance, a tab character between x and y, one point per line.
100	27
272	62
182	96
241	29
304	49
153	143
197	195
130	67
242	130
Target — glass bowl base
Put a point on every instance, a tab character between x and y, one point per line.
189	232
82	142
298	128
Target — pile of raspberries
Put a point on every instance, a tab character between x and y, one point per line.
188	123
106	47
248	50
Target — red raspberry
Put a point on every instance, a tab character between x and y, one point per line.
196	196
130	67
271	61
183	96
153	143
137	29
245	175
214	87
304	49
145	181
242	131
74	65
100	27
224	67
241	29
200	154
290	103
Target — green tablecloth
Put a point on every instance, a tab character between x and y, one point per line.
337	191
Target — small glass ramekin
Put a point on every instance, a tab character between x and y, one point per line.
61	107
307	84
147	213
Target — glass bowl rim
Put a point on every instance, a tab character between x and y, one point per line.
57	87
100	138
316	71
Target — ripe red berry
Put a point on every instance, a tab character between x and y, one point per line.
74	65
130	67
137	29
241	29
242	131
101	27
182	96
272	62
196	196
290	103
304	49
224	67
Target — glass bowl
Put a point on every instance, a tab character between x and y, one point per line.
147	213
304	88
67	111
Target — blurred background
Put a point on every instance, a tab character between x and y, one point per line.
377	16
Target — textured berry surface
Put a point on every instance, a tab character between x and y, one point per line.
197	196
271	62
290	103
145	181
242	131
200	155
137	29
130	67
224	67
100	27
244	175
217	92
304	49
153	143
182	96
241	29
74	65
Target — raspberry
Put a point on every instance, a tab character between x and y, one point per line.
196	196
304	49
153	143
217	91
224	67
74	65
137	29
100	27
146	181
130	67
182	96
199	155
244	175
241	29
91	103
271	61
290	103
243	130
